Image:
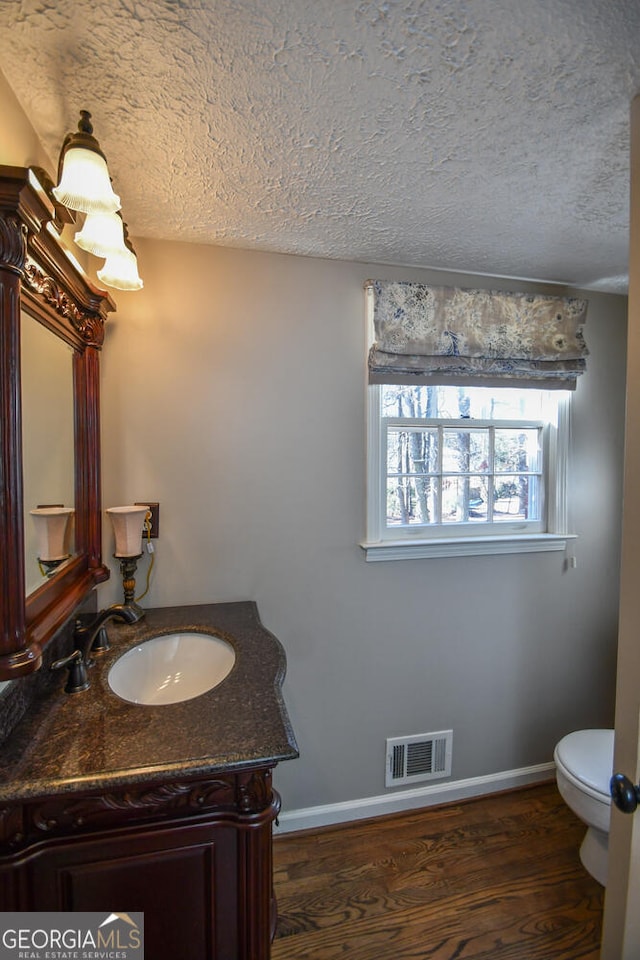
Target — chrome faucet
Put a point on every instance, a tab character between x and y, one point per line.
92	637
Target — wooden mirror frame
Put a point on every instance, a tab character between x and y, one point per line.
38	276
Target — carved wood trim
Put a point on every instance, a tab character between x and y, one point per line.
12	829
254	791
227	797
88	324
13	243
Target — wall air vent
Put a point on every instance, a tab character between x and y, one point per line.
425	756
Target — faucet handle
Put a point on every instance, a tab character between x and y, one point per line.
77	681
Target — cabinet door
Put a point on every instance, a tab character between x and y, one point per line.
184	879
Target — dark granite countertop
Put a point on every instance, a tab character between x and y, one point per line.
94	740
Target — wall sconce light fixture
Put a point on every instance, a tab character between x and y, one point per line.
128	524
120	268
52	528
84	185
102	234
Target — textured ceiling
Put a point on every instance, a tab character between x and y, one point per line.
488	136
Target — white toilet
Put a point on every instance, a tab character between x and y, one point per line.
584	765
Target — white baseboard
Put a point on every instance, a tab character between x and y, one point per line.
328	814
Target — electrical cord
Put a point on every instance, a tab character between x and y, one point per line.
150	550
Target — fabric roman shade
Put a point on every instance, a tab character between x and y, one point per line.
430	334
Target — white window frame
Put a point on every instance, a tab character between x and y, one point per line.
383	543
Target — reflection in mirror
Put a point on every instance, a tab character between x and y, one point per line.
47	439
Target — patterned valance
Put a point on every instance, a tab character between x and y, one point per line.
428	334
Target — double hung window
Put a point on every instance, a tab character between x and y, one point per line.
456	470
468	419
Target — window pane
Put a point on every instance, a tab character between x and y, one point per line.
517	449
481	403
412	451
465	451
516	498
411	500
464	499
405	401
457	458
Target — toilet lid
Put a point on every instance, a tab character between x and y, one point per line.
587	756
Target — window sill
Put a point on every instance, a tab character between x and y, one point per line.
465	547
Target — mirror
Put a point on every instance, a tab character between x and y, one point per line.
48	457
42	285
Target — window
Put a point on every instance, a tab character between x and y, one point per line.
477	465
456	470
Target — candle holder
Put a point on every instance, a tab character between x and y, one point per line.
128	567
128	524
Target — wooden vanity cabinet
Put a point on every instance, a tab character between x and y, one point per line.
195	856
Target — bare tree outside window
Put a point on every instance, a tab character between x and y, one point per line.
458	455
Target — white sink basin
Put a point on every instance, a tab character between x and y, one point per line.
171	668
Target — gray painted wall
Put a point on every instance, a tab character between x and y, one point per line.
233	393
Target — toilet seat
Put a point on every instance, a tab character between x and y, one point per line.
584	761
585	758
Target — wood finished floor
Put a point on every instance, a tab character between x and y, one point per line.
496	878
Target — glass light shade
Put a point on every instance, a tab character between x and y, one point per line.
51	525
85	184
127	526
121	271
102	234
